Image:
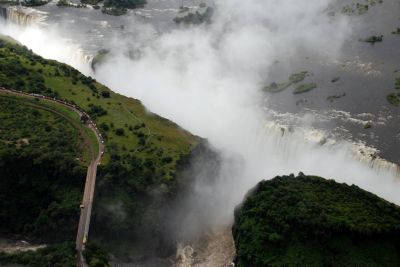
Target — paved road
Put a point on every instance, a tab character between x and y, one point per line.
87	201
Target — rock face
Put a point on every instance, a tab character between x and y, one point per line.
310	221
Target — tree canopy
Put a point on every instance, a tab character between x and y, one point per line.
310	221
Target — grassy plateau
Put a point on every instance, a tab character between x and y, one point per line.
138	176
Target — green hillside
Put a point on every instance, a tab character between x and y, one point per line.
36	146
144	154
310	221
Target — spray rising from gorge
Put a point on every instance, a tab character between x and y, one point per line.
208	80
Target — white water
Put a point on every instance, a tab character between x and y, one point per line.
215	249
207	79
45	40
22	16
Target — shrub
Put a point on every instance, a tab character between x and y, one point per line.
119	131
96	111
105	94
104	126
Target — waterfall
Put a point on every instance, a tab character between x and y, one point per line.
21	16
27	27
3	12
285	141
75	55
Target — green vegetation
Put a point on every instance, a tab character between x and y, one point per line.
43	158
372	39
40	172
129	4
277	87
298	77
119	131
114	7
119	7
336	79
105	94
310	221
33	3
91	2
397	31
303	88
293	79
63	3
60	255
360	8
334	97
23	70
201	14
394	99
139	174
96	256
368	125
66	3
114	11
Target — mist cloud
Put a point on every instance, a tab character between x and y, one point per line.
48	43
208	80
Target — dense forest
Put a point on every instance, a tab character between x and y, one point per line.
115	7
310	221
40	173
137	179
42	177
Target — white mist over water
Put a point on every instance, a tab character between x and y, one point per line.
49	43
208	79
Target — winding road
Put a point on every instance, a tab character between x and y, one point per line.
87	200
